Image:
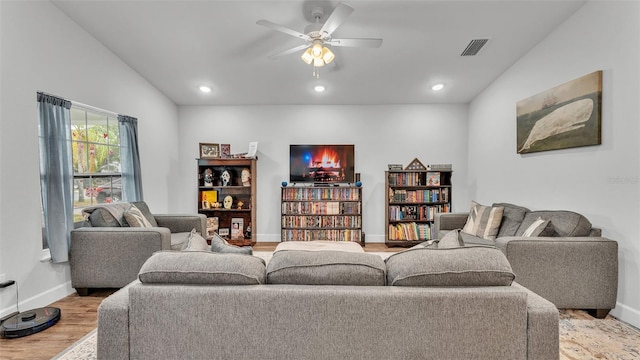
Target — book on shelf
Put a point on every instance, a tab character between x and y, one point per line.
237	229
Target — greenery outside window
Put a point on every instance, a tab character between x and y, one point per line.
96	158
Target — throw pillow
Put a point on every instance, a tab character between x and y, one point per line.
195	242
451	240
144	209
540	227
218	244
484	221
202	267
135	218
463	266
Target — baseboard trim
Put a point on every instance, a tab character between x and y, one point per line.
627	314
42	299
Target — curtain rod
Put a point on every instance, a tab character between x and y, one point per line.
79	104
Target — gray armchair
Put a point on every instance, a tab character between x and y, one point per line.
107	253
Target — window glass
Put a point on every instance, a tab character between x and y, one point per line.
96	158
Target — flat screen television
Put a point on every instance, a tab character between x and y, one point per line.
321	164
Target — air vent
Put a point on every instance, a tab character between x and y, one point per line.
474	47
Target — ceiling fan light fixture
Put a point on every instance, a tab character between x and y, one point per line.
327	55
317	50
307	57
318	62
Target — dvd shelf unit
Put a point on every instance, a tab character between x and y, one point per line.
331	213
227	196
413	197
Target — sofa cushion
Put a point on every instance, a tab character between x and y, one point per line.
512	217
144	208
565	223
464	266
328	267
134	217
483	221
100	217
195	242
202	267
540	227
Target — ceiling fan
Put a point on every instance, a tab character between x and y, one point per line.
317	35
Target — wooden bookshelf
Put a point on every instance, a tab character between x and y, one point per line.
331	213
412	199
240	197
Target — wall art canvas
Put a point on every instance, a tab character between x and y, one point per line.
566	116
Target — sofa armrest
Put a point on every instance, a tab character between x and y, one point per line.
571	272
449	221
543	338
182	222
110	257
113	325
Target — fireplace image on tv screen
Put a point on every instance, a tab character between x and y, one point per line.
321	163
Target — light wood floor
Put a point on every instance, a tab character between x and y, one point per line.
79	315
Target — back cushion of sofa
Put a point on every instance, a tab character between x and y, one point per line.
512	217
202	267
565	223
464	266
326	267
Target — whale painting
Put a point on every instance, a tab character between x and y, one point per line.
563	117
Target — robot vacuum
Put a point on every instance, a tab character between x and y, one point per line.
29	322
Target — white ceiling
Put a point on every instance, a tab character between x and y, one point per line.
179	45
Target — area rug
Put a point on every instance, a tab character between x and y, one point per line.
83	349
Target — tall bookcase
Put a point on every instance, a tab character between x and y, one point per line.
322	213
230	205
412	199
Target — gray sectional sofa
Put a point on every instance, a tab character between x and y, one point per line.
569	263
422	303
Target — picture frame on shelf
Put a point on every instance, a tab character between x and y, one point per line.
433	178
225	151
224	232
209	151
212	225
237	229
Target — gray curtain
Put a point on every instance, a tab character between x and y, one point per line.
130	159
56	173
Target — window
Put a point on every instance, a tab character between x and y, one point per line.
95	142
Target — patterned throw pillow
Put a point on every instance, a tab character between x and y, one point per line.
540	227
134	217
484	221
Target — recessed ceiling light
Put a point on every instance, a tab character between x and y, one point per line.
437	87
205	89
319	88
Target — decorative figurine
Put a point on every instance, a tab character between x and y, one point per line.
228	202
208	177
225	178
245	177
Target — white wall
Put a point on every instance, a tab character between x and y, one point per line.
381	134
600	181
43	50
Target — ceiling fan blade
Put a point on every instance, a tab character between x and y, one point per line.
371	43
283	29
339	14
290	51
